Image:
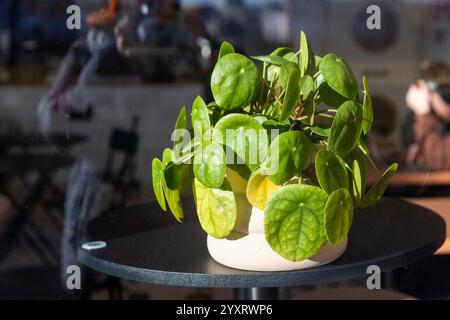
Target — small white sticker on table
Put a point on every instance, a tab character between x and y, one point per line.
96	245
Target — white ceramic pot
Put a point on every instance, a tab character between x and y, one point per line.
246	247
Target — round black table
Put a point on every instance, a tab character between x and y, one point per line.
392	234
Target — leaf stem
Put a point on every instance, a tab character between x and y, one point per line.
374	166
348	167
269	92
325	115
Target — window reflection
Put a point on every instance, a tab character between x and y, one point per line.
83	112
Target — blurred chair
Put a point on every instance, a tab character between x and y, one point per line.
122	143
120	175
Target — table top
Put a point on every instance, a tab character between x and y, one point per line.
440	205
392	234
415	178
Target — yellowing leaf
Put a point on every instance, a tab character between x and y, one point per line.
216	209
238	184
259	189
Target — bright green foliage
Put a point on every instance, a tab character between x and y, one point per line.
309	176
294	221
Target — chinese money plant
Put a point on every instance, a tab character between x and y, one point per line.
292	125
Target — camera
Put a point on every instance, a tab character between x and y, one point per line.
443	91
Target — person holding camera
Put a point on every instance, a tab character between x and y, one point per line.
429	100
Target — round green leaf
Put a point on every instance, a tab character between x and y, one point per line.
180	125
281	51
273	71
245	136
376	192
285	73
200	118
225	48
367	117
178	176
306	85
357	161
216	209
275	127
309	110
346	128
182	119
173	197
291	95
287	156
294	221
260	118
271	59
329	96
357	185
330	171
234	81
157	176
338	216
210	164
321	130
292	57
339	76
317	60
167	157
308	62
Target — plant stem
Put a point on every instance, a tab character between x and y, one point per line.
278	101
264	83
348	167
316	95
325	115
326	110
374	166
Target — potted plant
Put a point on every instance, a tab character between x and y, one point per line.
277	162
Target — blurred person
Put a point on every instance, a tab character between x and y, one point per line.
104	16
136	41
429	100
86	58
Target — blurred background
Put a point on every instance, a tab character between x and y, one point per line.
83	113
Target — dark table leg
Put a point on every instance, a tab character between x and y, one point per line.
260	294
